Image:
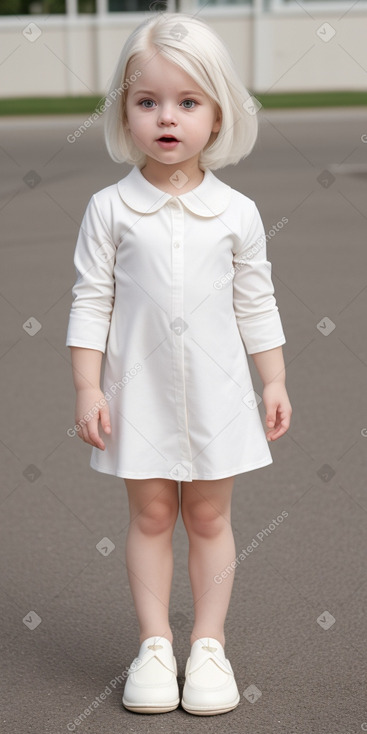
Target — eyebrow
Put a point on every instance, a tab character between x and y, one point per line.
184	93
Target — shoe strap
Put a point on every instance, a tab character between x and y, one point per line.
198	659
162	656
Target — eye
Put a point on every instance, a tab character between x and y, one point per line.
190	105
147	103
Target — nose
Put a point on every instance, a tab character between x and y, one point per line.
167	115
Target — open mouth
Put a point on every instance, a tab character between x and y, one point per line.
168	139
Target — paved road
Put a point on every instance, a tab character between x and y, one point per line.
296	629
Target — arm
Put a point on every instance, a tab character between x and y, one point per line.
270	365
91	405
271	368
86	366
89	322
259	322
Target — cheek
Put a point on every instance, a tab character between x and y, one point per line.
140	130
137	121
126	116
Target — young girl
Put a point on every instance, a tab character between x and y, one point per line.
172	284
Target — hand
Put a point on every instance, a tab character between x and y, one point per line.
278	410
92	407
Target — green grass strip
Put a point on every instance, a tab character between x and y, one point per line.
312	99
87	105
50	105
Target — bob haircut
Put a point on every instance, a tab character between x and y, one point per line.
200	52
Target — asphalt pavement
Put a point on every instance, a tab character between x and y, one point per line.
296	627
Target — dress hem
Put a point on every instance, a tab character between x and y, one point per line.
150	475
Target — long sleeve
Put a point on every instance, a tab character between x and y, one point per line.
254	304
93	292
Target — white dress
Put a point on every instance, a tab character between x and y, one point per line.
172	289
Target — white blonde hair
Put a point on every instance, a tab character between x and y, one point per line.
201	53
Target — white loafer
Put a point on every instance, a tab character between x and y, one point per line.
210	686
151	686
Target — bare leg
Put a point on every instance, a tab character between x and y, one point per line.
206	513
154	507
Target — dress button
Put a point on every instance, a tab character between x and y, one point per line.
176	244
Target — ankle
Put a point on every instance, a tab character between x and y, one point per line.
215	635
144	636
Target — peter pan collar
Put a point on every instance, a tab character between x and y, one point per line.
210	198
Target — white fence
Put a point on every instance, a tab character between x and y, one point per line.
281	47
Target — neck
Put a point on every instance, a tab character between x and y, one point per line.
176	178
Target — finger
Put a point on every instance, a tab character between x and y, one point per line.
94	437
105	419
83	433
278	430
271	422
274	435
282	416
91	435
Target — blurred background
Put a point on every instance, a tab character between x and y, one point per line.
69	47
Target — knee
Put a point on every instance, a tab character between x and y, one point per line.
201	518
157	517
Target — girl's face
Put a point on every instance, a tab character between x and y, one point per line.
165	100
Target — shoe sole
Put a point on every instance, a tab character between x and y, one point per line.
150	709
209	712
